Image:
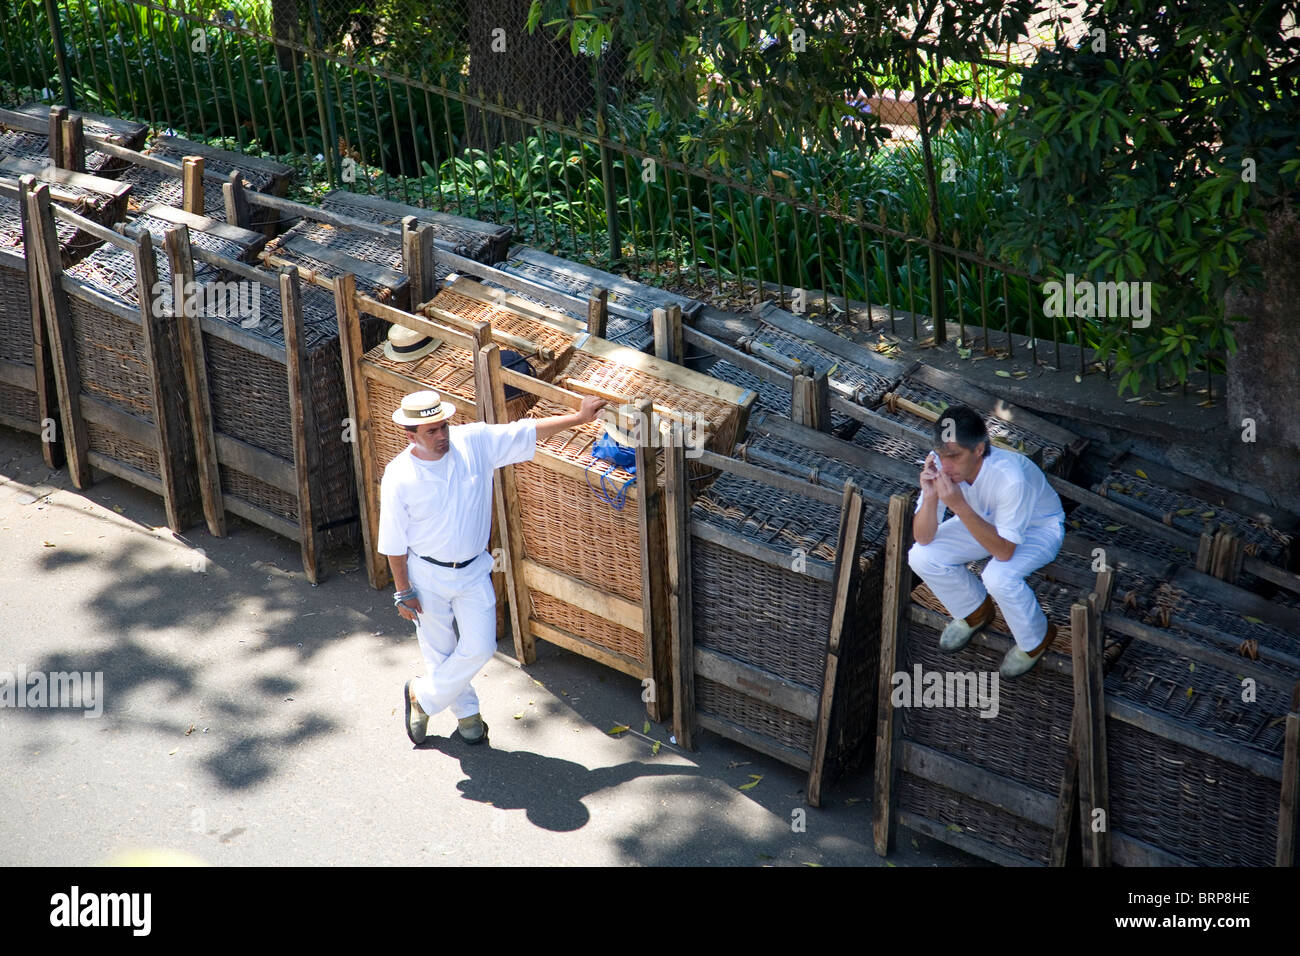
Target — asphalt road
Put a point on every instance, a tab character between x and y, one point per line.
251	719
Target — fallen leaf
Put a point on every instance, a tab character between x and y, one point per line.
849	801
812	864
954	828
655	749
49	544
765	856
754	778
1112	527
1208	403
1140	473
190	731
172	752
519	716
887	863
646	728
1253	620
1130	401
1207	514
915	845
1191	667
119	509
1190	691
1078	379
621	728
1185	511
1002	373
539	684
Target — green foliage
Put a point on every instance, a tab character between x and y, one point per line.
1134	159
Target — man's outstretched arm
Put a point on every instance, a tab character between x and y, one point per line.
546	427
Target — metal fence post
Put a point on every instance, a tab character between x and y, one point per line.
324	95
607	177
60	54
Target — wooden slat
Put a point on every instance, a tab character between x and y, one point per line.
20	376
1090	732
170	441
473	289
341	260
124	471
894	603
847	546
262	465
1237	599
366	470
192	185
809	401
14	167
1288	810
666	371
58	144
813	567
881	423
677	519
235	199
984	785
506	500
1156	723
963	841
618	610
778	426
766	476
747	738
43	255
1067	804
585	648
1127	516
458	337
735	356
1129	851
598	317
517	342
259	516
756	683
176	241
302	418
135	429
668	333
198	222
43	383
656	616
74	144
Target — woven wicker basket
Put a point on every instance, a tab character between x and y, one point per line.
480	241
308	244
28	136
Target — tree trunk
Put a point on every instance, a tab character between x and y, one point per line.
286	26
521	68
1263	382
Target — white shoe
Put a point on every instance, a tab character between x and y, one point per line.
960	630
1018	662
417	721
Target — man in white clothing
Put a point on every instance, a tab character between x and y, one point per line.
1002	508
435	515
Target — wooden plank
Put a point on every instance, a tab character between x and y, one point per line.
236	201
778	426
262	465
509	516
585	648
677	519
767	554
769	477
987	786
171	439
241	338
598	317
1226	658
546	390
198	222
1133	519
1288	811
655	603
847	545
1031	451
735	356
176	241
302	418
1204	552
458	337
259	516
97	412
1129	851
365	469
473	289
1279	576
667	324
124	471
881	423
389	210
74	144
987	403
747	738
1235	598
657	368
517	342
380	275
1067	804
43	384
580	594
192	185
894	603
58	144
19	376
755	682
1090	732
270	167
963	841
1153	722
14	167
86	225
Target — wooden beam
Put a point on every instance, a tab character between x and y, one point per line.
1129	851
365	469
236	201
735	466
964	841
1154	722
489	384
893	629
302	418
44	384
176	242
810	401
769	423
677	519
765	553
169	441
58	146
192	185
655	603
585	648
257	462
755	682
1090	732
667	371
1288	810
570	590
74	144
847	545
1067	804
598	317
667	323
43	255
754	741
986	786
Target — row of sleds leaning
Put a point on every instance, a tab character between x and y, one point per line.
1163	728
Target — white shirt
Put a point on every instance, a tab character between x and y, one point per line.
443	509
1011	493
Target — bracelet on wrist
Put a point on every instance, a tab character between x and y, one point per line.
401	596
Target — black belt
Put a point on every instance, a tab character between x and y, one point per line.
449	564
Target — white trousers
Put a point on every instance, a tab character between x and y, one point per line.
464	595
942	565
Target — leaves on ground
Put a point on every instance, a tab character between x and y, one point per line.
655	749
646	728
618	729
1140	473
519	716
754	778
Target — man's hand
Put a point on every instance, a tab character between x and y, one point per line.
591	406
410	608
928	475
949	492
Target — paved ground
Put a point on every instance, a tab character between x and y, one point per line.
252	719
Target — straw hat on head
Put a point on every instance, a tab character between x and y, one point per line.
423	408
406	345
